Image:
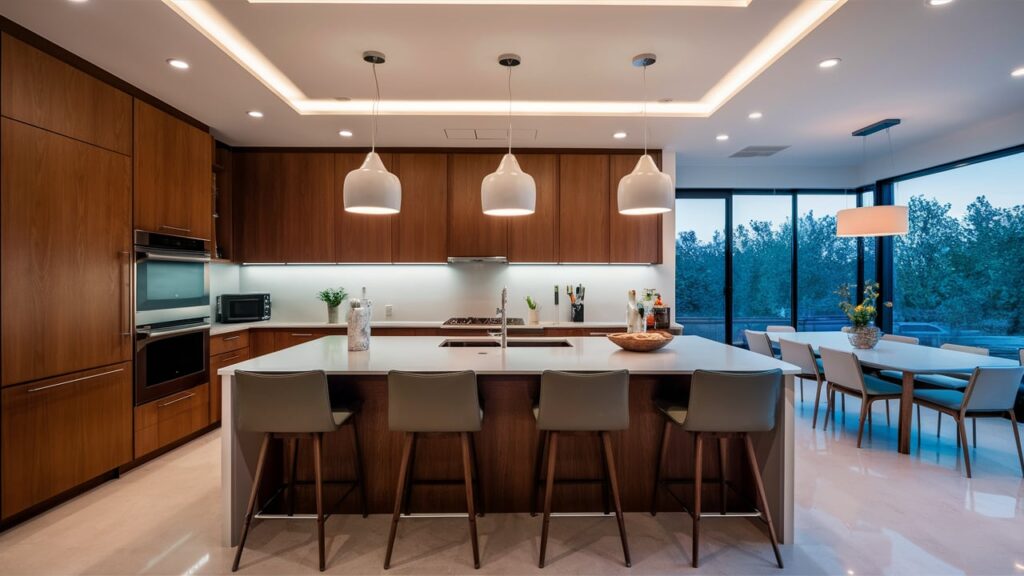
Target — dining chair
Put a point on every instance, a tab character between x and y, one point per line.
990	393
904	339
843	374
802	355
779	328
759	342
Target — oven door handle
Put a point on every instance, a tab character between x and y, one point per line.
170	257
153	335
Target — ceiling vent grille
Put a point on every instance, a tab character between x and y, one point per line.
489	134
758	151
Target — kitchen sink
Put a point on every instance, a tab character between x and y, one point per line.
512	343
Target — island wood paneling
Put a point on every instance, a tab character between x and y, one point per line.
470	231
534	238
361	237
421	228
38	89
583	208
162	422
216	363
633	239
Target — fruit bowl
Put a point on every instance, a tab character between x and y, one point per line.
641	341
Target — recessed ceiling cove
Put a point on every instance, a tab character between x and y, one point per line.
576	52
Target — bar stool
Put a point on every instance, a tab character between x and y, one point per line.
445	403
572	402
292	406
723	405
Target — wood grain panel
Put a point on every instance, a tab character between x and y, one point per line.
216	363
164	421
38	89
360	237
293	337
261	342
65	243
534	238
173	175
224	223
633	239
421	229
60	432
583	208
470	232
221	343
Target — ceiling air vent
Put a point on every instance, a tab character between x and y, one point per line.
488	134
758	151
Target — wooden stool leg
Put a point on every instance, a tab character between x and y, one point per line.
318	470
698	470
666	431
467	472
721	470
606	495
359	469
403	476
407	495
609	458
292	464
1016	436
538	469
477	491
548	489
253	496
762	500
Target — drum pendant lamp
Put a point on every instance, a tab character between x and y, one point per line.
508	191
371	189
645	190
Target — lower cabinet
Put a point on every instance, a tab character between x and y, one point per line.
216	363
288	338
164	421
60	432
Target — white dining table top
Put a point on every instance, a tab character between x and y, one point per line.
890	355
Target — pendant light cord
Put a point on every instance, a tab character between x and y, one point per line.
376	107
509	109
892	155
645	108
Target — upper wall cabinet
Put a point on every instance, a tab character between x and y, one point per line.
38	89
470	232
360	237
173	175
534	238
421	228
633	239
288	206
583	208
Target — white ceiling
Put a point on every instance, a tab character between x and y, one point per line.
938	68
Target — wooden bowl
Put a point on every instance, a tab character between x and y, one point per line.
641	342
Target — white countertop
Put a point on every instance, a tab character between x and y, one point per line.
423	354
218	328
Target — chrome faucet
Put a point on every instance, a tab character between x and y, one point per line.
504	317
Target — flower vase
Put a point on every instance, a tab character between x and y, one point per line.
864	337
332	314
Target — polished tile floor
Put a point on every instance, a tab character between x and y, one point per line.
859	512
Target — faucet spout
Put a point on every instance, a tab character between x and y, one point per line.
504	317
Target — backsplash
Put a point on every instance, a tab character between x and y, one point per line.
223	280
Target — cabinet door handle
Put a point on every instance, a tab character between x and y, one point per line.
126	303
600	333
175	228
185	397
230	338
302	335
48	386
232	357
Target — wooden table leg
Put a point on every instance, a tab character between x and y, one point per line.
906	412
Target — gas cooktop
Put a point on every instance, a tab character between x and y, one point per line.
481	321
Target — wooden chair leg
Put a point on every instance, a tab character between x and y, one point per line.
318	471
974	432
865	413
817	404
548	489
963	442
253	496
721	471
407	495
357	451
842	399
467	472
938	424
662	456
1016	436
763	501
919	423
403	477
477	491
698	470
538	469
609	459
830	398
606	494
888	418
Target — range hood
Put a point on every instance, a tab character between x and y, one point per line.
467	259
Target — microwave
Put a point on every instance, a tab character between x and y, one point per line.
243	308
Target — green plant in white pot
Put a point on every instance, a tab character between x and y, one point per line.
333	297
533	316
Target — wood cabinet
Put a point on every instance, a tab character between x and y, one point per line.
221	343
583	208
360	237
288	206
223	209
61	432
173	175
421	228
65	241
288	338
162	422
470	231
534	238
38	89
216	363
633	239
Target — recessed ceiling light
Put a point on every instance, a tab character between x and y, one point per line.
938	2
78	1
722	137
176	63
255	114
1018	72
829	63
755	115
619	135
345	133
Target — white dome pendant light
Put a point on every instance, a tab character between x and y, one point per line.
508	191
869	221
371	189
645	190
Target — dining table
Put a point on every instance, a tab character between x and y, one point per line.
910	359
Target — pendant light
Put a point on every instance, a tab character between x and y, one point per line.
645	190
371	189
508	191
869	221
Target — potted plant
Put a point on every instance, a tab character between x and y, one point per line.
862	334
333	297
533	316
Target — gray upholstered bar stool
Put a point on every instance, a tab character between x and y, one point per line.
723	405
440	403
292	406
596	403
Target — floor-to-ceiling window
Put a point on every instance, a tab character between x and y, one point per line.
700	266
959	273
762	260
869	260
824	261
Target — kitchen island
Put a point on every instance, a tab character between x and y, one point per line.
509	381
